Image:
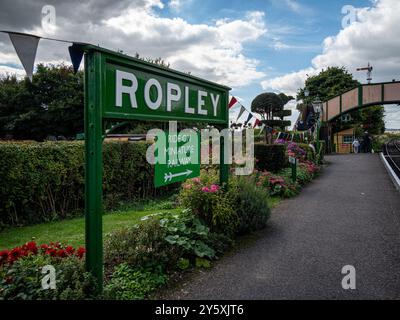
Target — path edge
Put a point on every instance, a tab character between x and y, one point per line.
392	174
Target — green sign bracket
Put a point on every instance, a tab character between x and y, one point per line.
121	88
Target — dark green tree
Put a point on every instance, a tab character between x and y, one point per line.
328	84
266	104
52	104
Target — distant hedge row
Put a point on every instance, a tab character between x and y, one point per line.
45	181
270	157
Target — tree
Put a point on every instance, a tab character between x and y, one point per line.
327	84
270	105
52	104
267	103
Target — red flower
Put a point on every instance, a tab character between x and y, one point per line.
70	250
31	247
80	252
15	254
61	253
51	252
3	256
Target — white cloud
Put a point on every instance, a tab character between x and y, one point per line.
212	51
374	38
175	4
289	83
6	70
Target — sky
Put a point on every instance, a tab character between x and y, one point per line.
252	46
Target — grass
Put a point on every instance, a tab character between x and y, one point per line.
274	201
71	232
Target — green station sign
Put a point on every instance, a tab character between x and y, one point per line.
123	88
181	159
135	90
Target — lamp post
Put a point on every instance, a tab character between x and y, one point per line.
318	109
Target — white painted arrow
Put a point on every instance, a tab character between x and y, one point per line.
170	176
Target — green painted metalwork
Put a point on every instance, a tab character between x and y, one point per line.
200	101
93	165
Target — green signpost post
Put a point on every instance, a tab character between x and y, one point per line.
122	88
293	162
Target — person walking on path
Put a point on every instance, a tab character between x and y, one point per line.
356	146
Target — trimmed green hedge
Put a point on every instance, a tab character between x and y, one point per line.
45	181
270	157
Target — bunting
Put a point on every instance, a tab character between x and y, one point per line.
76	54
248	119
257	123
232	103
242	110
25	46
261	130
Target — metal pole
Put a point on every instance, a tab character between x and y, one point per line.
224	168
294	171
93	167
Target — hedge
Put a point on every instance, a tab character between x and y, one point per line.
45	181
270	157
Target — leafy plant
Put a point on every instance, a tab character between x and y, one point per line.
141	246
128	283
189	233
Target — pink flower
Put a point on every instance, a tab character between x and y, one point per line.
187	186
196	180
205	189
214	188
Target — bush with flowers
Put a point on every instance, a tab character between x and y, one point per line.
208	201
21	273
293	150
277	185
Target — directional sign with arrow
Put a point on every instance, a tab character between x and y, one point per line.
172	172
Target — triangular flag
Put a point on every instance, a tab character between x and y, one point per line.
76	54
233	102
262	129
242	110
257	122
249	118
26	47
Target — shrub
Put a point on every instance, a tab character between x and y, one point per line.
45	181
251	205
294	150
270	157
211	204
277	184
23	279
128	283
141	246
310	152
